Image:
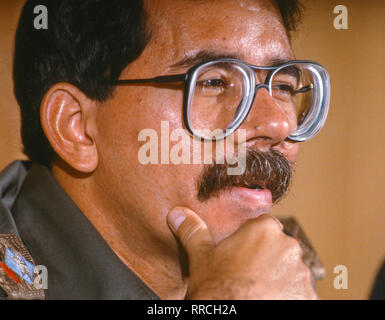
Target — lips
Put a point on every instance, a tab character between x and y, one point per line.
254	187
252	200
252	183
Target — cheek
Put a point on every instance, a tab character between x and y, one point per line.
132	110
121	120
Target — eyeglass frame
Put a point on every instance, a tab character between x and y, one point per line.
188	81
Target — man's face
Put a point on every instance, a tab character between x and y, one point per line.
141	195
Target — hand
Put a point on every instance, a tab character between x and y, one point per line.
258	261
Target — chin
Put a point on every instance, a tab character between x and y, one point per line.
232	208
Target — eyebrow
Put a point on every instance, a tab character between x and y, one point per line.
206	55
292	71
203	56
277	61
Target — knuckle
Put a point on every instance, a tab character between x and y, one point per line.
295	247
268	223
306	273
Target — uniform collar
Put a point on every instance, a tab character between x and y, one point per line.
80	263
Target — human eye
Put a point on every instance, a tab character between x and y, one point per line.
283	89
285	82
212	83
212	86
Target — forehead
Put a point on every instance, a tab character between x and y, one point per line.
251	30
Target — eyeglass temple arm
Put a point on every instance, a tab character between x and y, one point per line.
160	79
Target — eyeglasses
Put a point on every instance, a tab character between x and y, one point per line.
219	94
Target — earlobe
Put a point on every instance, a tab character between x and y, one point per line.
68	116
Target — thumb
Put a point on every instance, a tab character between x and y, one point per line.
192	232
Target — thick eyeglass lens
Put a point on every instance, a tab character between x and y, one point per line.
292	89
219	95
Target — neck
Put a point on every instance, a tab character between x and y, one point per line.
155	262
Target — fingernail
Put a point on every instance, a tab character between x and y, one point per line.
175	218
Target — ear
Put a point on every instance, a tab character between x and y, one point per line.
68	118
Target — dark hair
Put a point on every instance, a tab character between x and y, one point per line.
88	43
291	12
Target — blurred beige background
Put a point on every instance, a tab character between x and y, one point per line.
338	191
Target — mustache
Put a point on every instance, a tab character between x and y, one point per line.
265	170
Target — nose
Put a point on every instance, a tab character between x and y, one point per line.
267	123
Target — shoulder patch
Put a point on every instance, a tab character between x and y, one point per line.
17	270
